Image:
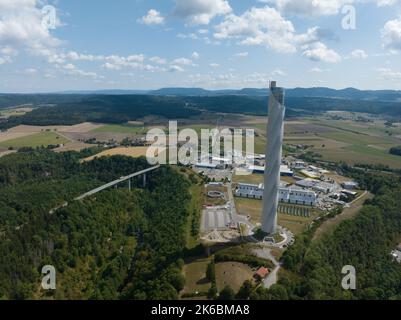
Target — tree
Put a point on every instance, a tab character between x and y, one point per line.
227	294
245	291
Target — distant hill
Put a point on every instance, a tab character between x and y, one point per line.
317	92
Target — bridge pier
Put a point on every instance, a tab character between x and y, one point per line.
144	180
129	184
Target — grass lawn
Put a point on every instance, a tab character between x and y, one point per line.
254	178
233	274
35	140
195	276
253	208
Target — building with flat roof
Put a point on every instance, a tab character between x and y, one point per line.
285	171
291	195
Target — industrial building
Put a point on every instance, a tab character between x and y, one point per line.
291	195
285	171
317	185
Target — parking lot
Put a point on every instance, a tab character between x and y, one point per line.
217	218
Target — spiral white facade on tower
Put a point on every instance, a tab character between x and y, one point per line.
275	133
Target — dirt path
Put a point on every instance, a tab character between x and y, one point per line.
348	213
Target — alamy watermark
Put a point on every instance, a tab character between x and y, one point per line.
49	278
349	280
348	22
185	147
49	17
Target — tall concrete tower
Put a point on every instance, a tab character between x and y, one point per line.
275	133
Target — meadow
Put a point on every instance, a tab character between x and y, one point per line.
45	138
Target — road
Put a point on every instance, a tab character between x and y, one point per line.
265	253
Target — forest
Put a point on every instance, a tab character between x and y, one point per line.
115	245
313	268
61	110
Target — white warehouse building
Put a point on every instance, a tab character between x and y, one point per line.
287	195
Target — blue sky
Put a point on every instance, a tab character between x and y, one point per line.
214	44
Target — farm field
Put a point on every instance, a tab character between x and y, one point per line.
349	141
35	140
123	128
123	151
14	112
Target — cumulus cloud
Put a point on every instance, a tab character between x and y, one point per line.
182	61
30	71
318	70
21	25
389	74
175	68
278	73
309	7
320	7
195	55
358	54
242	54
266	26
259	26
201	11
158	60
320	52
153	17
391	35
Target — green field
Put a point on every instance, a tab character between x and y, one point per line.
195	275
253	208
36	140
120	128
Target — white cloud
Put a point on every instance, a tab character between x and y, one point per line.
214	65
278	73
201	11
153	17
158	60
358	54
384	3
192	36
309	7
320	7
320	52
30	71
195	55
242	54
21	25
389	74
391	35
182	62
175	68
319	70
259	26
4	60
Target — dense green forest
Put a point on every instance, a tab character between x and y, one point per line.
104	109
103	247
122	108
313	268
